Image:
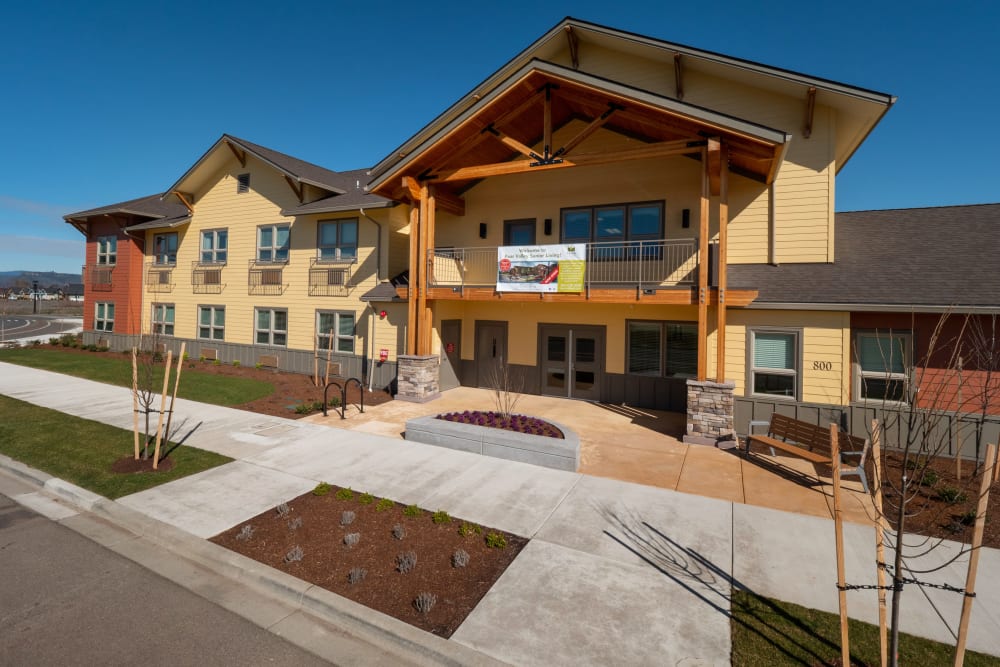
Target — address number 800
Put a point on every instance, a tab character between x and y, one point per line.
822	365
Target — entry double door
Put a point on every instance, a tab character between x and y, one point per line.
572	360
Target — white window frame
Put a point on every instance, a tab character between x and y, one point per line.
107	250
323	338
104	316
165	258
215	251
338	246
795	373
158	323
273	249
211	327
271	332
860	374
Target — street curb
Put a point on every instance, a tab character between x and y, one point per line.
356	619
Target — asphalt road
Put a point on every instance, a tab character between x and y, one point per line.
65	600
20	327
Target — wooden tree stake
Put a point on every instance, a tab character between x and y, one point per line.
135	402
163	407
173	398
977	544
838	525
329	353
315	361
883	627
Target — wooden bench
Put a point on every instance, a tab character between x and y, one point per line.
810	442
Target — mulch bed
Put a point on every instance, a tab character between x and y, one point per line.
327	560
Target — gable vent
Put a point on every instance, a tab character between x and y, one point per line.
242	183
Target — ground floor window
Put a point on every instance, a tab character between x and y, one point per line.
774	362
338	325
882	361
104	316
163	319
211	322
271	326
662	349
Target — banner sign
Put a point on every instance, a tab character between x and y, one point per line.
541	268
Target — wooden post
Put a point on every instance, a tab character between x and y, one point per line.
720	333
703	272
977	544
838	526
163	407
173	398
411	289
422	277
135	402
883	626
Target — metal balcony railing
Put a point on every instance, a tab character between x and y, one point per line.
206	278
160	277
640	264
266	278
330	278
98	277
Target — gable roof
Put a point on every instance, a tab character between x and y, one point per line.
920	259
861	108
354	197
160	213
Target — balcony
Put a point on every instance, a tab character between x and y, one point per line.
98	277
160	277
330	278
633	265
206	278
266	278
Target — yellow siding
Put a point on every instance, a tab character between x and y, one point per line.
825	340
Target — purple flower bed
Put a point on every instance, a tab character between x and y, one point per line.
516	423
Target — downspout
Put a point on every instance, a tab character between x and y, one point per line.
371	365
378	244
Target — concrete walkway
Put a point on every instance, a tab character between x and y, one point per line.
616	572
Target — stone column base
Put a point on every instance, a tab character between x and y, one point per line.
418	377
711	408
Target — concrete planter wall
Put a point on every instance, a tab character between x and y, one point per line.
498	443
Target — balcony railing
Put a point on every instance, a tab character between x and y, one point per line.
640	264
98	277
266	278
206	278
330	278
160	277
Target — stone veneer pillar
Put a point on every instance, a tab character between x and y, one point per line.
418	377
711	408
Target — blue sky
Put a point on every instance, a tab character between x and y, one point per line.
107	101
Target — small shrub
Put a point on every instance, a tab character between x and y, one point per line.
351	539
236	363
55	341
321	489
460	558
246	532
303	408
317	406
69	340
356	575
496	541
384	504
412	511
295	523
347	518
406	561
398	531
950	494
216	363
425	602
930	478
103	348
283	509
334	402
366	499
201	358
157	357
295	555
467	529
969	518
441	517
185	356
93	348
345	494
36	342
258	365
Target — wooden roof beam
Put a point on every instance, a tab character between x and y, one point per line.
678	76
594	126
810	110
715	166
574	46
512	143
297	188
185	198
240	155
444	201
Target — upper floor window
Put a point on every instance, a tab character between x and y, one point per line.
272	243
774	362
667	349
338	240
163	319
104	316
165	248
107	250
618	222
214	246
242	183
882	362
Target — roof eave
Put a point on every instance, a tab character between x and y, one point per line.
875	307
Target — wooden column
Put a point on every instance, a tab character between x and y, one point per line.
411	292
720	336
427	324
703	272
422	277
838	526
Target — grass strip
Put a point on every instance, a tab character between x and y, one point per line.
116	369
770	633
82	451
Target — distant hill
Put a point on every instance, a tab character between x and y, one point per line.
44	278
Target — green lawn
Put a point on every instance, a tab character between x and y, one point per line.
82	451
117	369
769	633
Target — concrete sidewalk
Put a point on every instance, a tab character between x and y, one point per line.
616	572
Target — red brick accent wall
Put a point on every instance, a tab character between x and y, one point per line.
126	278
